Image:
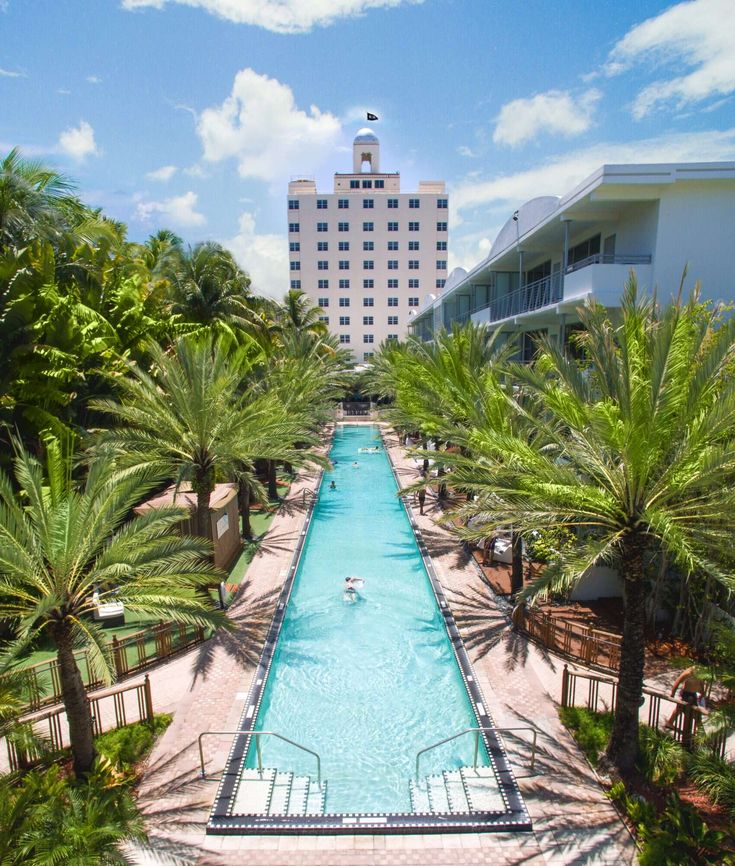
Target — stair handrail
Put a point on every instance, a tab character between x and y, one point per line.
477	732
258	735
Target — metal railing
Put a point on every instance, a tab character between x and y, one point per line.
608	259
477	732
356	408
257	735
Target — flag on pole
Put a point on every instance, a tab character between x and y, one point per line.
372	116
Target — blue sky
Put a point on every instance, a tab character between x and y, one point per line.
194	114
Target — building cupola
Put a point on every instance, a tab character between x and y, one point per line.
366	152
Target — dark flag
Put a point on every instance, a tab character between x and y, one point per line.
372	116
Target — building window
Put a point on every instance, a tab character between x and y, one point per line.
368	202
294	247
392	264
392	302
293	227
322	265
293	204
413	227
368	227
323	284
414	203
392	283
368	302
368	284
368	265
344	302
344	338
354	184
369	246
295	284
441	246
367	320
321	204
413	302
441	227
324	319
343	204
322	246
344	284
392	227
344	264
343	227
344	246
440	284
295	266
379	184
392	202
323	302
441	264
367	184
368	338
413	284
392	246
344	320
413	264
442	203
392	336
413	245
322	227
392	320
366	356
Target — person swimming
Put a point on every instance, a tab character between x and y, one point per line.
352	584
332	485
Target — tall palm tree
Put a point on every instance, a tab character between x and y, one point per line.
60	541
193	418
297	313
635	453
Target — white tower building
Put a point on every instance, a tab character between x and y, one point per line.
367	253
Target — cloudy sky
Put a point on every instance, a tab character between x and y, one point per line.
195	114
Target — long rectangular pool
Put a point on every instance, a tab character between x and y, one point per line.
365	683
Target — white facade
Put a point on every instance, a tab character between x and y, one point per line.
554	253
367	253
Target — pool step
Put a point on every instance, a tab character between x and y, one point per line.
276	792
463	791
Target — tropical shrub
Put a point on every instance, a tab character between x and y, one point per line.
715	777
662	760
129	745
590	730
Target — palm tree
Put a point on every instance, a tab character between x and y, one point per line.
194	418
297	313
635	453
60	541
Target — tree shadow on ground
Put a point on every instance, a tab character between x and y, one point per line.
482	625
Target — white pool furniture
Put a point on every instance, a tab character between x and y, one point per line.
106	611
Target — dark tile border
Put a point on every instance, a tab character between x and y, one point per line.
223	822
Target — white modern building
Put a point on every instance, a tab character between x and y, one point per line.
367	253
555	253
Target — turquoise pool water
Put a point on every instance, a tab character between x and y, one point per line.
368	684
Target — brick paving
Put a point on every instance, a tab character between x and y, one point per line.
573	821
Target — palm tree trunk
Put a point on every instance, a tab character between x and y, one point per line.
272	481
622	751
203	518
516	568
74	696
243	501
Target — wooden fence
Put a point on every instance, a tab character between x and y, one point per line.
130	655
112	708
590	646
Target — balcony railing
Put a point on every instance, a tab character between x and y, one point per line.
532	296
607	259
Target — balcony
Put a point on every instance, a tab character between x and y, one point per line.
532	296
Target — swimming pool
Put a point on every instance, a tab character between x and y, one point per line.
368	684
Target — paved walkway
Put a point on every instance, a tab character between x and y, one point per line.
573	821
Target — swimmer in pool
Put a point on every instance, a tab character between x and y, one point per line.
351	584
332	485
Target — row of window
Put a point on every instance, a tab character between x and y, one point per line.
368	302
344	203
368	265
366	338
366	320
293	228
368	246
368	284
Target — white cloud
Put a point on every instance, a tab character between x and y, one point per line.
697	35
78	142
260	126
561	174
179	210
463	150
280	16
94	79
162	174
264	257
555	111
63	91
196	171
11	73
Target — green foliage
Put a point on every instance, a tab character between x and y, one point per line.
127	746
662	760
681	838
715	777
590	730
640	812
544	545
